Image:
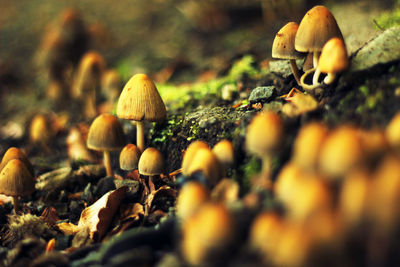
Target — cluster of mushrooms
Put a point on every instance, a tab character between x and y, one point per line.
318	34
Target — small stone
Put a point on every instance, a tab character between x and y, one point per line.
133	188
262	94
282	67
106	184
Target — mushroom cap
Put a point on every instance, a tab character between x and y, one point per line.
392	131
308	143
89	73
283	45
265	232
151	162
40	130
224	152
264	134
190	153
206	162
140	100
106	134
191	197
16	180
16	153
209	229
111	84
333	57
315	29
341	151
129	157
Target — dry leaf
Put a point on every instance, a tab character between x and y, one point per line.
68	228
132	212
50	216
99	215
161	192
299	104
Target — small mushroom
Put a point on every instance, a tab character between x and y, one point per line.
264	137
151	163
111	84
392	132
16	153
40	131
190	198
190	153
140	100
224	152
283	47
333	60
106	134
129	157
16	180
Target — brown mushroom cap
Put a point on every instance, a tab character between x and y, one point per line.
16	153
315	29
333	57
224	152
89	73
392	131
264	134
206	162
190	153
140	100
40	130
283	45
16	180
106	133
190	198
129	157
151	162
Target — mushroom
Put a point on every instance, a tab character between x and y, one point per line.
283	47
16	153
129	157
40	131
392	131
315	29
87	82
307	145
111	84
151	163
264	137
208	230
224	152
190	153
333	60
16	180
106	134
140	100
191	197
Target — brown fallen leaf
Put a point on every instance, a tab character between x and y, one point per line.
163	191
299	104
50	216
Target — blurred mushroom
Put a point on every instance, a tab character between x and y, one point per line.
225	153
111	84
16	180
41	132
190	199
106	134
190	153
283	47
140	100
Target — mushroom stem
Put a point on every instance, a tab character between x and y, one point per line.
107	163
266	165
306	86
140	135
90	105
317	73
330	78
152	187
295	70
16	204
315	58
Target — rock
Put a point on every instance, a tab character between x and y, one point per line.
262	94
282	67
380	50
105	185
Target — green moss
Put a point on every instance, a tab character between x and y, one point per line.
390	18
161	135
364	90
249	170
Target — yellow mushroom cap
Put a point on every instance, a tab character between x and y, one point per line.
190	153
209	229
308	143
16	153
265	232
333	57
264	134
393	131
89	73
106	134
206	162
129	157
40	130
341	151
288	180
315	29
151	162
16	180
224	152
140	100
283	45
190	198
